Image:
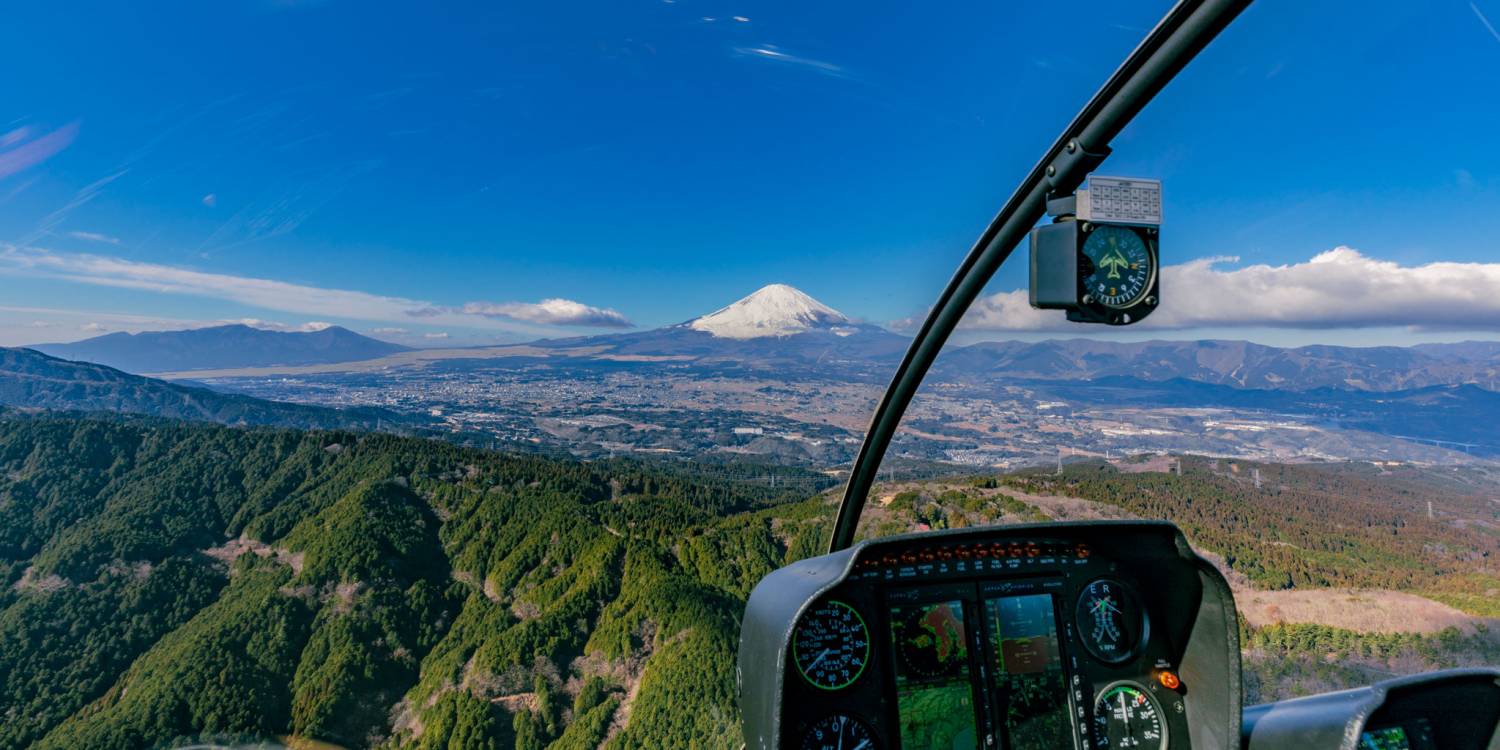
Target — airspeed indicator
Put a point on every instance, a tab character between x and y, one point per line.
831	645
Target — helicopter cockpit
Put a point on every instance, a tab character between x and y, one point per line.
1102	635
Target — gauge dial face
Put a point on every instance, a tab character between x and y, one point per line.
831	645
1110	620
1127	717
839	732
1118	268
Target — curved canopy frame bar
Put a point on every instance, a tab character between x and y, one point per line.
1186	29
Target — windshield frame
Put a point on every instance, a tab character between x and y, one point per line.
1176	40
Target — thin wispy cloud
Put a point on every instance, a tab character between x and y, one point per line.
556	312
1338	289
20	150
772	53
1487	25
281	211
95	237
263	293
389	330
80	198
302	299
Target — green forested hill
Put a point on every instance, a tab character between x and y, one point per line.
163	582
166	581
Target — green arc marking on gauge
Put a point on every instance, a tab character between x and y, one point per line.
864	661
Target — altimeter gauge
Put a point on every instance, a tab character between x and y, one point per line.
839	732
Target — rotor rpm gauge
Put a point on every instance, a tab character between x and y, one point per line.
1110	621
831	645
1126	717
839	732
1118	266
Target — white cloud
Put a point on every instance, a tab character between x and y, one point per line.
774	54
389	330
310	326
1340	288
95	237
556	312
441	335
93	327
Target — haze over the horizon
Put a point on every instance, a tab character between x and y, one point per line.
486	175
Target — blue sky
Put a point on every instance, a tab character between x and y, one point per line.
474	173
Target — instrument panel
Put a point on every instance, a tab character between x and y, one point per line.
1042	636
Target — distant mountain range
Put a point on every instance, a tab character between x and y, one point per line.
221	347
1238	364
782	331
30	379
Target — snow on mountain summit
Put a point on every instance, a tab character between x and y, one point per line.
773	310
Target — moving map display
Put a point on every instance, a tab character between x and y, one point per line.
934	696
1031	688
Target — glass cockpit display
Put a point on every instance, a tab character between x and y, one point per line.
1414	735
934	693
1026	661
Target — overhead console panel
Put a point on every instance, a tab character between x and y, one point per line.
1088	635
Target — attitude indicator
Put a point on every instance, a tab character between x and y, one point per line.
1110	621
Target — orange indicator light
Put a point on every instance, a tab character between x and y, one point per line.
1168	680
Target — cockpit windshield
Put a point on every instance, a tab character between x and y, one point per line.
423	376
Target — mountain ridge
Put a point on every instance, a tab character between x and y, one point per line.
32	380
232	345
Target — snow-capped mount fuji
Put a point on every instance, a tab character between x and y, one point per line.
773	310
777	329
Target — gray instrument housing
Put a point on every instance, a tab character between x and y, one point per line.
1463	705
1209	660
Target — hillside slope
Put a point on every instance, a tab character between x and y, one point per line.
32	380
363	590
